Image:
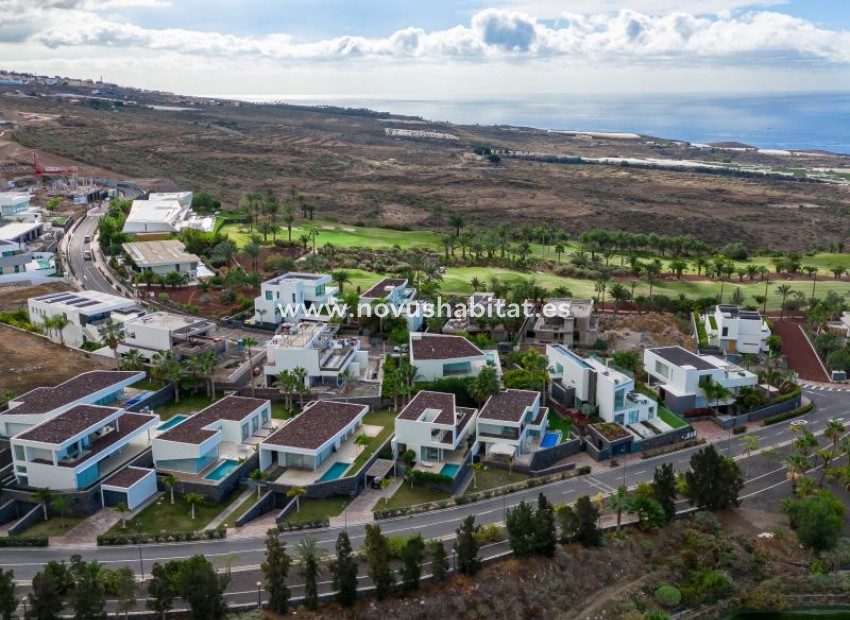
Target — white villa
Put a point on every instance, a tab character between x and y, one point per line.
396	293
737	331
73	435
18	264
16	207
295	292
510	422
678	373
589	380
224	431
155	216
86	312
434	427
569	322
311	438
437	356
479	306
21	232
163	257
181	334
313	346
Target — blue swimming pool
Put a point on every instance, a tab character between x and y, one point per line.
336	471
171	423
138	398
221	470
550	440
449	469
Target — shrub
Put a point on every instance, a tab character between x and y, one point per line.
296	526
583	470
741	428
788	415
23	541
107	540
489	534
668	596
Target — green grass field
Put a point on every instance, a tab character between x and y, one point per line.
315	509
161	516
492	477
54	526
405	496
384	418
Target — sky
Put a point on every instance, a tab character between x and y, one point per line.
434	49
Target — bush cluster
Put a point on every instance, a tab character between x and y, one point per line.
166	537
296	526
775	419
23	541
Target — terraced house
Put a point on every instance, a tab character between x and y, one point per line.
435	428
511	423
439	356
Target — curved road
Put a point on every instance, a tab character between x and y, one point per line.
248	553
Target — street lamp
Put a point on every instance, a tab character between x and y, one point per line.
259	595
345	516
139	546
24	601
625	465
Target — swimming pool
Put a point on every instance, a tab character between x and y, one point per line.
172	422
449	469
336	471
550	439
140	397
221	470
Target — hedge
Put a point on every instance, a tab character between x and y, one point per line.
106	540
781	399
702	336
295	526
682	445
788	415
430	476
23	541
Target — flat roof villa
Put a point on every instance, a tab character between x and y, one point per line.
219	434
435	428
511	423
569	322
132	486
678	373
162	257
734	330
87	311
438	355
96	387
78	447
155	216
183	335
317	445
296	293
397	293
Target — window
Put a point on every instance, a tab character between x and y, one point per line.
619	398
255	423
662	369
320	290
19	453
265	415
633	417
268	295
245	431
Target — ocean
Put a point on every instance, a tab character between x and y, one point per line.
799	121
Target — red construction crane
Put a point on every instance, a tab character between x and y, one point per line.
51	170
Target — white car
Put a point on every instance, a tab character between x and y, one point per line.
799	423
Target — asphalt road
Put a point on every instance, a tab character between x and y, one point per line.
245	554
85	271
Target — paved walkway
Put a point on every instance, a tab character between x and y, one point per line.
85	533
360	508
236	505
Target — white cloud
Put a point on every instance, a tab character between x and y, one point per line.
553	9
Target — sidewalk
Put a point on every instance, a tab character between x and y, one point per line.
222	518
360	508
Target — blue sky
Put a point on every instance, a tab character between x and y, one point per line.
437	48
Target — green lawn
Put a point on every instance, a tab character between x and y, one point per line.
186	405
149	384
55	526
161	516
315	509
405	496
385	418
555	423
670	418
493	477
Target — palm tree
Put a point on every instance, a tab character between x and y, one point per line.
834	430
133	360
619	293
206	367
174	373
714	392
60	503
253	249
111	334
476	469
784	290
299	373
296	492
797	465
341	277
193	499
45	496
169	481
284	382
457	222
560	248
122	510
476	284
258	475
751	443
288	218
248	343
60	322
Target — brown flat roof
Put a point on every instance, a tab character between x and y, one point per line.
380	289
67	424
232	408
46	399
508	406
441	401
127	477
441	347
320	421
128	424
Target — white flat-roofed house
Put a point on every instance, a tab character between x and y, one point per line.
96	387
163	257
78	447
569	322
679	375
397	293
184	198
19	264
309	439
155	216
86	312
183	335
509	421
314	346
16	207
131	486
437	356
433	426
737	331
195	443
21	232
293	292
590	380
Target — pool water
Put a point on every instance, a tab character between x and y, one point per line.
221	470
449	469
336	471
171	423
550	440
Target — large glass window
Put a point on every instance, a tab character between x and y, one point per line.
245	431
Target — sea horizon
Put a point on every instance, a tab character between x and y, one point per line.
790	121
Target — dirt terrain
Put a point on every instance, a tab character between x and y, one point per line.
28	360
348	167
